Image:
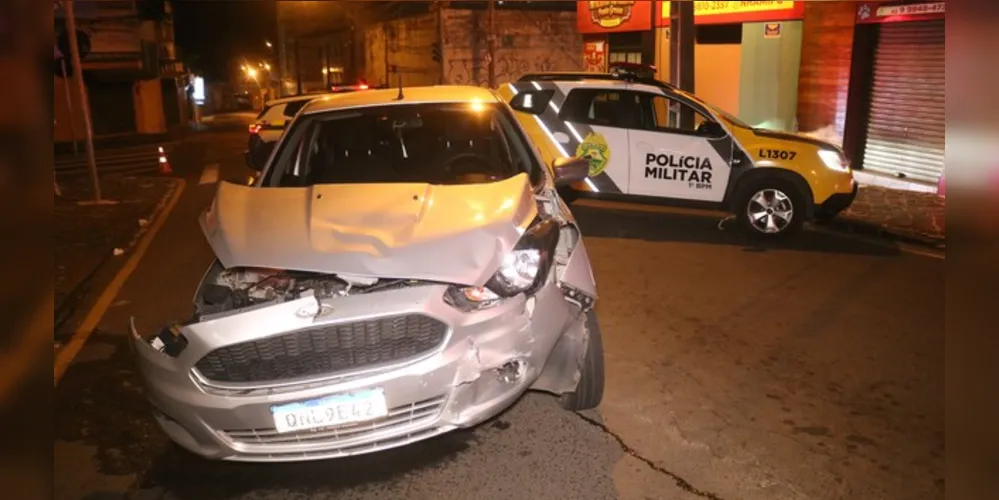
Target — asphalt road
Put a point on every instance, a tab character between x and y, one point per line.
811	370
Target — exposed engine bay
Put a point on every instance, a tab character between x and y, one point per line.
225	290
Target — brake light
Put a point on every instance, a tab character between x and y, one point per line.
254	128
363	86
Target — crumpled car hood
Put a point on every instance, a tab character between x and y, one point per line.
454	234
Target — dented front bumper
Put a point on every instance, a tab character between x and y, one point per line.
488	358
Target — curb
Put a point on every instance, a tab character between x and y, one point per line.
854	226
65	355
65	308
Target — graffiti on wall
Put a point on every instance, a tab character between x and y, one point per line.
532	42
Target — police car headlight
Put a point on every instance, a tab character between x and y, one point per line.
834	160
524	270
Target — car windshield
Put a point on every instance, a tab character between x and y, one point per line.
727	116
457	143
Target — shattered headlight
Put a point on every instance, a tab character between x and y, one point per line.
524	270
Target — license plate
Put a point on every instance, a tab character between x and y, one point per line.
330	411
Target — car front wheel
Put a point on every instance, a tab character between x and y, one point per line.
770	208
590	389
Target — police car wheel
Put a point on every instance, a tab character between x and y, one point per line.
590	388
770	208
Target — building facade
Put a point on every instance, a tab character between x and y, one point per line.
866	75
134	79
527	40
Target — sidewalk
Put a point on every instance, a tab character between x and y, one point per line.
88	235
910	216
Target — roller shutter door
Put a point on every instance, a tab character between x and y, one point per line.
905	134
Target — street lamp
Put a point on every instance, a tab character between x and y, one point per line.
269	46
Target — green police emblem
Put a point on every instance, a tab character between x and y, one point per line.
595	149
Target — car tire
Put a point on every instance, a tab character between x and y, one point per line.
590	389
778	196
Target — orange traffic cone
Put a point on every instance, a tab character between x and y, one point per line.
164	163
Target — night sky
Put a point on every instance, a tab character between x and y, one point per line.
217	30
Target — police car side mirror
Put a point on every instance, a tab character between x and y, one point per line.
711	129
532	101
570	170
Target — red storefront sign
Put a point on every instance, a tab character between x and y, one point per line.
613	17
738	12
883	12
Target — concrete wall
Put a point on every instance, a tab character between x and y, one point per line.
148	98
527	41
769	75
405	44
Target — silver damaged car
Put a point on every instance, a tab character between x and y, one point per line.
401	266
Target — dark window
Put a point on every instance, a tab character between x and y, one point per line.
292	108
418	143
718	34
607	107
663	115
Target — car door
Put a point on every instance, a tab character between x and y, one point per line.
597	121
683	159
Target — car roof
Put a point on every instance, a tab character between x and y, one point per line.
411	95
295	98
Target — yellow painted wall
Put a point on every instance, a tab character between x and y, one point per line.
716	71
148	98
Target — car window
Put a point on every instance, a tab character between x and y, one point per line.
293	107
664	115
418	143
607	107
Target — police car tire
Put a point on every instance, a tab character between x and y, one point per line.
751	188
590	389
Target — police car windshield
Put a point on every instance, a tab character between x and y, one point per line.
439	143
728	116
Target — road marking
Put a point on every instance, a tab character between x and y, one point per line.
210	174
64	357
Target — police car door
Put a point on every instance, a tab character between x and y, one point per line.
674	160
596	123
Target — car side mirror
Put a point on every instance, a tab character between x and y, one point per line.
570	170
711	129
257	156
532	101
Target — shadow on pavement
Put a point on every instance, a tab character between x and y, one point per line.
674	227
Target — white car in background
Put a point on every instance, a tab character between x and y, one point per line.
277	113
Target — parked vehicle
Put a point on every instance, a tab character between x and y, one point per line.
403	266
649	141
277	113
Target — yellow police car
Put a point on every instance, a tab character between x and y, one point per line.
649	141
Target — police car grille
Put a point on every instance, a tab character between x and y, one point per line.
324	350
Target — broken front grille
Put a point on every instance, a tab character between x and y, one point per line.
324	350
402	422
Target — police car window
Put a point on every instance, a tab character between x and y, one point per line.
665	115
609	108
421	143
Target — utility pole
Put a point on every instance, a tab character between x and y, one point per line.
298	67
282	41
681	53
329	77
88	129
440	41
492	44
69	103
